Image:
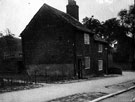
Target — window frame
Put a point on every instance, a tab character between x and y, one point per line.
87	63
100	48
86	39
100	65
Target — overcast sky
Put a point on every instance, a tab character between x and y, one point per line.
16	14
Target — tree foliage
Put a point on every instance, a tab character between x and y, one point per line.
118	29
94	25
127	18
9	43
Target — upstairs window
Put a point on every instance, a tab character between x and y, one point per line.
100	48
87	62
86	39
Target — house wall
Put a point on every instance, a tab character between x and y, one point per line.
79	54
51	70
90	50
83	50
57	53
98	56
51	50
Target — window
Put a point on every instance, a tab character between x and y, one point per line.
100	65
86	39
100	48
87	62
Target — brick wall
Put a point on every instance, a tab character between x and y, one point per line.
98	56
50	46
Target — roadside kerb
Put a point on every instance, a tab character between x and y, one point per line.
112	94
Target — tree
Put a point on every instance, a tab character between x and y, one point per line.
9	43
85	20
111	27
113	31
116	32
127	18
94	25
8	32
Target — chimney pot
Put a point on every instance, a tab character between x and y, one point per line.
71	2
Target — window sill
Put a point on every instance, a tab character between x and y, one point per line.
87	68
86	44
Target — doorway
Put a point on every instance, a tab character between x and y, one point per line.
80	68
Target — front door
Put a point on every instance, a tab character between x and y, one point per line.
79	68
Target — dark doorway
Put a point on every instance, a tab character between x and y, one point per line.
79	68
20	66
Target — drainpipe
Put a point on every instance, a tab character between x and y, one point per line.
74	53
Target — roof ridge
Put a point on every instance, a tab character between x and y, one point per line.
68	18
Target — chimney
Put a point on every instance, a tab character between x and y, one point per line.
73	9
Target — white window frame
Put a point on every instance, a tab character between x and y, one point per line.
86	39
87	62
100	65
100	48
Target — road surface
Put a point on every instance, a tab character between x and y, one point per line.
61	90
124	97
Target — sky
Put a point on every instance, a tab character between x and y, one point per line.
16	14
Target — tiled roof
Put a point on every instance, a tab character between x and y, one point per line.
64	16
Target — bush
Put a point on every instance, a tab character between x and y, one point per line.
1	82
115	70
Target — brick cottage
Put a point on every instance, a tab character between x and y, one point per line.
55	43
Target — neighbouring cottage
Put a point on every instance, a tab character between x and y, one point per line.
100	53
55	43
